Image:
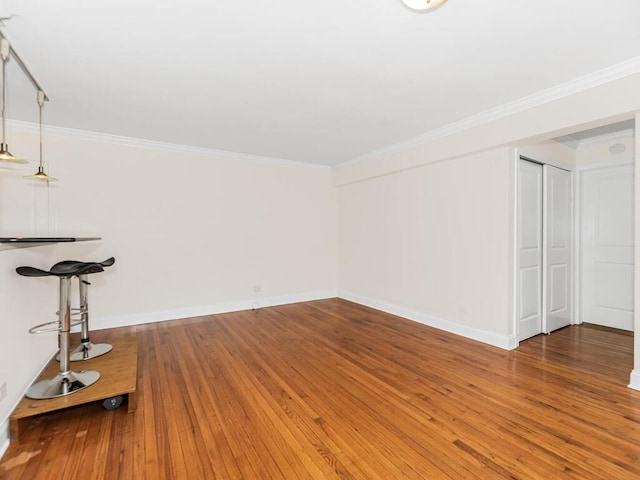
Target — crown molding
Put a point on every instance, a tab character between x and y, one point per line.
566	89
30	127
572	87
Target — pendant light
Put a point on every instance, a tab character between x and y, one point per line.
423	4
40	175
5	156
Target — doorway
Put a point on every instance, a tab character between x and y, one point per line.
607	246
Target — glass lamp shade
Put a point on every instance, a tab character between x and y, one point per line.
422	4
6	156
41	176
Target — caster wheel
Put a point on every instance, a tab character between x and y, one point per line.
113	402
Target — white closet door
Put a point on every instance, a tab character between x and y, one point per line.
529	249
557	280
607	246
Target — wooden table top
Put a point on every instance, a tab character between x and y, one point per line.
118	372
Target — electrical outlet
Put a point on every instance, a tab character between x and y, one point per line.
3	390
257	288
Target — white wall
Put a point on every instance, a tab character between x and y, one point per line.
432	244
192	233
363	186
23	304
197	230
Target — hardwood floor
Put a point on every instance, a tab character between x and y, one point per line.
330	389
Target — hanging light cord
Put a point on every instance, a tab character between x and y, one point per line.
40	105
40	174
5	58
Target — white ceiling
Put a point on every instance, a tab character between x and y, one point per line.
317	81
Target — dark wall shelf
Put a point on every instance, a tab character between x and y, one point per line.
35	241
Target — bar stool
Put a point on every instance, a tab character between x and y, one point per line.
66	381
86	350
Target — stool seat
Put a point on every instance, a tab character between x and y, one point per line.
68	265
59	270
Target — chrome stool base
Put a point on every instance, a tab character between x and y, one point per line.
62	384
87	351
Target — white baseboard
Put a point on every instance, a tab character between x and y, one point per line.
506	342
635	380
188	312
4	438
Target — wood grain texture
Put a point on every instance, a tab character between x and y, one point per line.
334	390
118	375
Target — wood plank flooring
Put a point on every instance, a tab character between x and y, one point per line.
333	390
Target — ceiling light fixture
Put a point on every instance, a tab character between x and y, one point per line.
617	148
5	155
421	5
40	175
